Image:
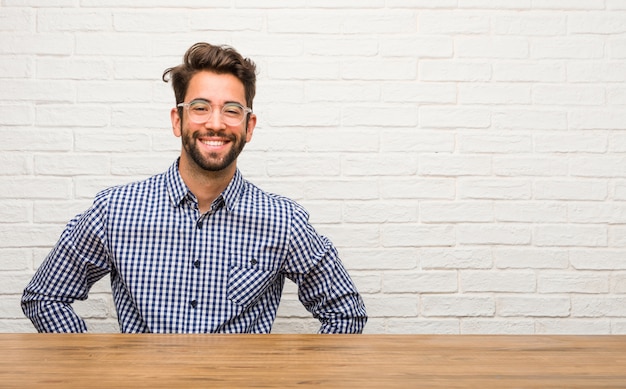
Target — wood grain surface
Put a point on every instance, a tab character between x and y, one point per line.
329	361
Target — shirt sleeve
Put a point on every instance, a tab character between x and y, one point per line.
77	261
324	286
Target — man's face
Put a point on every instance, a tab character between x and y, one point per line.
213	146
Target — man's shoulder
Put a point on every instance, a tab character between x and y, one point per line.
260	198
136	188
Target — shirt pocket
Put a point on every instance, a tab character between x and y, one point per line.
247	284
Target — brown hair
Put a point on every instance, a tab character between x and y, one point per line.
218	59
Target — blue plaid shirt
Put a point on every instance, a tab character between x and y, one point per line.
174	270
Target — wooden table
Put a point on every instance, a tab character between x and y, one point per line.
327	361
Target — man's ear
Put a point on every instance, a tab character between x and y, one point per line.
176	122
250	127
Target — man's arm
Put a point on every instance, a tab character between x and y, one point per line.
324	286
77	261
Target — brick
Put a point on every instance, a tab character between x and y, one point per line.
453	165
608	259
495	144
418	92
341	189
403	326
339	91
426	47
70	20
369	165
598	306
451	22
397	116
69	165
386	305
567	4
333	46
429	188
571	142
573	282
597	23
59	212
380	212
310	165
530	24
310	22
457	305
498	281
35	187
570	235
323	212
15	211
351	235
588	213
402	235
588	71
530	212
533	71
522	306
566	48
597	167
446	212
205	21
454	117
36	44
453	70
494	94
388	22
379	258
16	259
568	189
422	282
17	19
532	258
618	282
492	47
27	236
409	140
573	326
529	166
455	258
494	326
524	119
16	115
493	234
495	188
571	95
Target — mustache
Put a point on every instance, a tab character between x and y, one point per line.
215	134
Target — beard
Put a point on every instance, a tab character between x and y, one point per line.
212	161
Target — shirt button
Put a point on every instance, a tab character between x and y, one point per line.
199	224
196	264
194	303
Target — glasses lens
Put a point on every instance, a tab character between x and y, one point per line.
199	111
233	114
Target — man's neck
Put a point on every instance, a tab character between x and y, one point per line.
205	185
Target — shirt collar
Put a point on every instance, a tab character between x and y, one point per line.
178	190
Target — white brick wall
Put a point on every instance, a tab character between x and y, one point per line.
468	157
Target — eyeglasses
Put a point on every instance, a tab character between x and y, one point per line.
200	111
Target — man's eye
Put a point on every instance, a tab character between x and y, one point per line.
232	110
199	108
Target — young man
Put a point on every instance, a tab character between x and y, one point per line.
197	249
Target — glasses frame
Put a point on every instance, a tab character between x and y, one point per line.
247	111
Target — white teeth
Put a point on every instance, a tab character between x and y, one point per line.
214	143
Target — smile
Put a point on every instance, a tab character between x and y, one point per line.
214	143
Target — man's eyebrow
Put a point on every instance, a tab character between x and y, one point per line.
225	102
